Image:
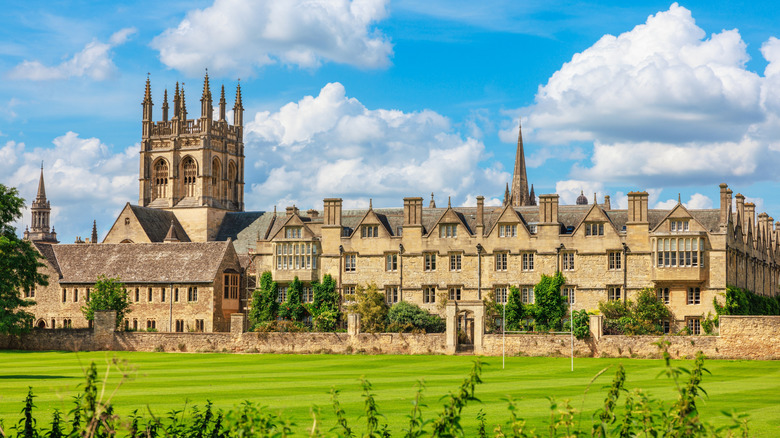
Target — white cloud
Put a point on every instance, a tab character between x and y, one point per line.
662	81
332	145
697	201
85	180
236	36
662	104
94	61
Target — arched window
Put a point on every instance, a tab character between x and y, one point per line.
232	192
190	175
160	179
216	178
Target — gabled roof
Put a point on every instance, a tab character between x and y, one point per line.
183	262
595	210
156	223
707	218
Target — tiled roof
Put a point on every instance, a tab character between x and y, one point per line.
183	262
156	223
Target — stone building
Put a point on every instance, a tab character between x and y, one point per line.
172	286
191	184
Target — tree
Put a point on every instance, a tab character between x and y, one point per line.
324	308
293	308
19	263
640	318
264	304
550	305
108	294
515	310
371	306
405	316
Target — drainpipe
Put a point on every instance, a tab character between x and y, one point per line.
341	261
625	272
170	308
401	272
479	270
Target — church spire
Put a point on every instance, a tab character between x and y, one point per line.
183	110
520	195
40	210
41	196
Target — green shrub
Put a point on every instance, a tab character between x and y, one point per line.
371	306
264	306
744	302
515	310
293	309
640	318
411	316
550	306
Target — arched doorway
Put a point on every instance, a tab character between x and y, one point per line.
41	324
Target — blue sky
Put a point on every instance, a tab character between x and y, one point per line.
384	99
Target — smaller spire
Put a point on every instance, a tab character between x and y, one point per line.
94	238
595	198
41	196
532	196
183	104
370	204
679	199
433	202
148	91
507	195
171	236
239	104
176	100
449	202
222	104
206	87
165	106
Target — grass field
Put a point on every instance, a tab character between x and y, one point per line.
293	383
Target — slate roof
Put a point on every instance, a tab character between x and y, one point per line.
244	228
183	262
156	223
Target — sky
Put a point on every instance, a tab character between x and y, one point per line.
385	99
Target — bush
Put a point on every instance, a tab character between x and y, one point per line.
324	308
515	310
744	302
640	318
411	316
581	320
293	309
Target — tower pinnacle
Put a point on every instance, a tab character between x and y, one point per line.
38	231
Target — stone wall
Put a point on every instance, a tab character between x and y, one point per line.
741	337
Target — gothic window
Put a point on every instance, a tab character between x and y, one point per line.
159	181
190	176
216	178
663	295
232	178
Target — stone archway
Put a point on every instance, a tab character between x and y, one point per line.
469	318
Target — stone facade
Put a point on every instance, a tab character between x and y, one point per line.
177	287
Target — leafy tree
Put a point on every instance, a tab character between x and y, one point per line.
108	294
264	304
550	305
293	308
581	320
19	263
408	316
371	307
744	302
515	311
324	308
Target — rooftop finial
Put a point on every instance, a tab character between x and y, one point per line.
433	202
679	198
449	202
370	204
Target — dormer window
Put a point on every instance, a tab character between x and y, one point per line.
369	231
448	230
678	225
594	228
292	232
507	230
532	228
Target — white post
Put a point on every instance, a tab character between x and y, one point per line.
503	337
571	327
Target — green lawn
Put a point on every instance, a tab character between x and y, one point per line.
293	383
